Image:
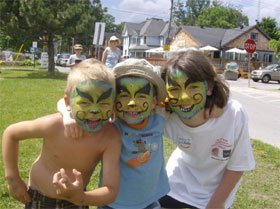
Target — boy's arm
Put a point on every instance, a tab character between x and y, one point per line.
10	146
72	129
104	195
228	182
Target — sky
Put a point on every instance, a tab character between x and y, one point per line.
138	10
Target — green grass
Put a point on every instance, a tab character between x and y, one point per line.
20	67
26	95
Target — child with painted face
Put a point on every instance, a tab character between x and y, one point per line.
143	178
206	168
60	174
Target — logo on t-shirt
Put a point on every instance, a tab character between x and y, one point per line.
184	143
221	150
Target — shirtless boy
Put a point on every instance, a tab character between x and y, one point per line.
66	162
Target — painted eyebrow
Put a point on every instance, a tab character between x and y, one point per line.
172	82
188	82
84	95
121	89
105	95
144	90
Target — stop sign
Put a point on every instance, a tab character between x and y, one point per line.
250	46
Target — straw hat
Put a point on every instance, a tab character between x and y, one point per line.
78	46
142	68
114	38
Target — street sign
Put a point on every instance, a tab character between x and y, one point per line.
44	60
166	47
99	33
34	44
250	46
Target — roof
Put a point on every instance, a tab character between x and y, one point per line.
218	37
206	36
152	27
132	27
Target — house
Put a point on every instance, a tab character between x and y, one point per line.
225	39
139	37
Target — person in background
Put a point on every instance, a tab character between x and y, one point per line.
112	54
77	57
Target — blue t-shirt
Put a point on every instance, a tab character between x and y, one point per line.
142	184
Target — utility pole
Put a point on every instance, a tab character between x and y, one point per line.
168	39
259	10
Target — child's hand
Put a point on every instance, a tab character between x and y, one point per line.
18	190
72	129
70	191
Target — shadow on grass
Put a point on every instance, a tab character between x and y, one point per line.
18	74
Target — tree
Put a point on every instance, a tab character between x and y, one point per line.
222	17
187	13
275	43
43	20
269	26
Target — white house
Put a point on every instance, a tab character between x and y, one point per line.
139	37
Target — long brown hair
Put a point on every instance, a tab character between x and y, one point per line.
199	68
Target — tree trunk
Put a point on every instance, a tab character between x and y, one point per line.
51	55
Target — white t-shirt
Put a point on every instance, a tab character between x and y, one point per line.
196	167
74	57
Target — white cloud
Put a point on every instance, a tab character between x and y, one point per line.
139	10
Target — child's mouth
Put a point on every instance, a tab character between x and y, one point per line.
131	114
93	123
186	108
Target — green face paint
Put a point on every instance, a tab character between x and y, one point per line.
134	99
186	98
92	104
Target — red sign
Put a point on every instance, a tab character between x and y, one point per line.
250	46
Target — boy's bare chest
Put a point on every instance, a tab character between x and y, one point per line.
71	153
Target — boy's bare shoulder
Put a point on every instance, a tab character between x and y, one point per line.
111	133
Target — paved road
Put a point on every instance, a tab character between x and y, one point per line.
262	103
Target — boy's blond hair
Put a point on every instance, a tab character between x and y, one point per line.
89	69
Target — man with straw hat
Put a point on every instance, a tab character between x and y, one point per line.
112	54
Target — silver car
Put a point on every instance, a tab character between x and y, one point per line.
269	73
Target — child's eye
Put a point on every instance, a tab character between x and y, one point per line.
173	90
83	103
193	87
123	96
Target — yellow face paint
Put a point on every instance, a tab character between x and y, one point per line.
186	98
134	99
92	104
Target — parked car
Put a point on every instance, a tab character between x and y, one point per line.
62	59
269	73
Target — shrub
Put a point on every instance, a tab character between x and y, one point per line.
29	62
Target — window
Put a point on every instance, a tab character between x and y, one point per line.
254	36
145	39
267	58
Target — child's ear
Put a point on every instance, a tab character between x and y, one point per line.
210	88
67	102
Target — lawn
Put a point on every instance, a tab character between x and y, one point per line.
27	95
